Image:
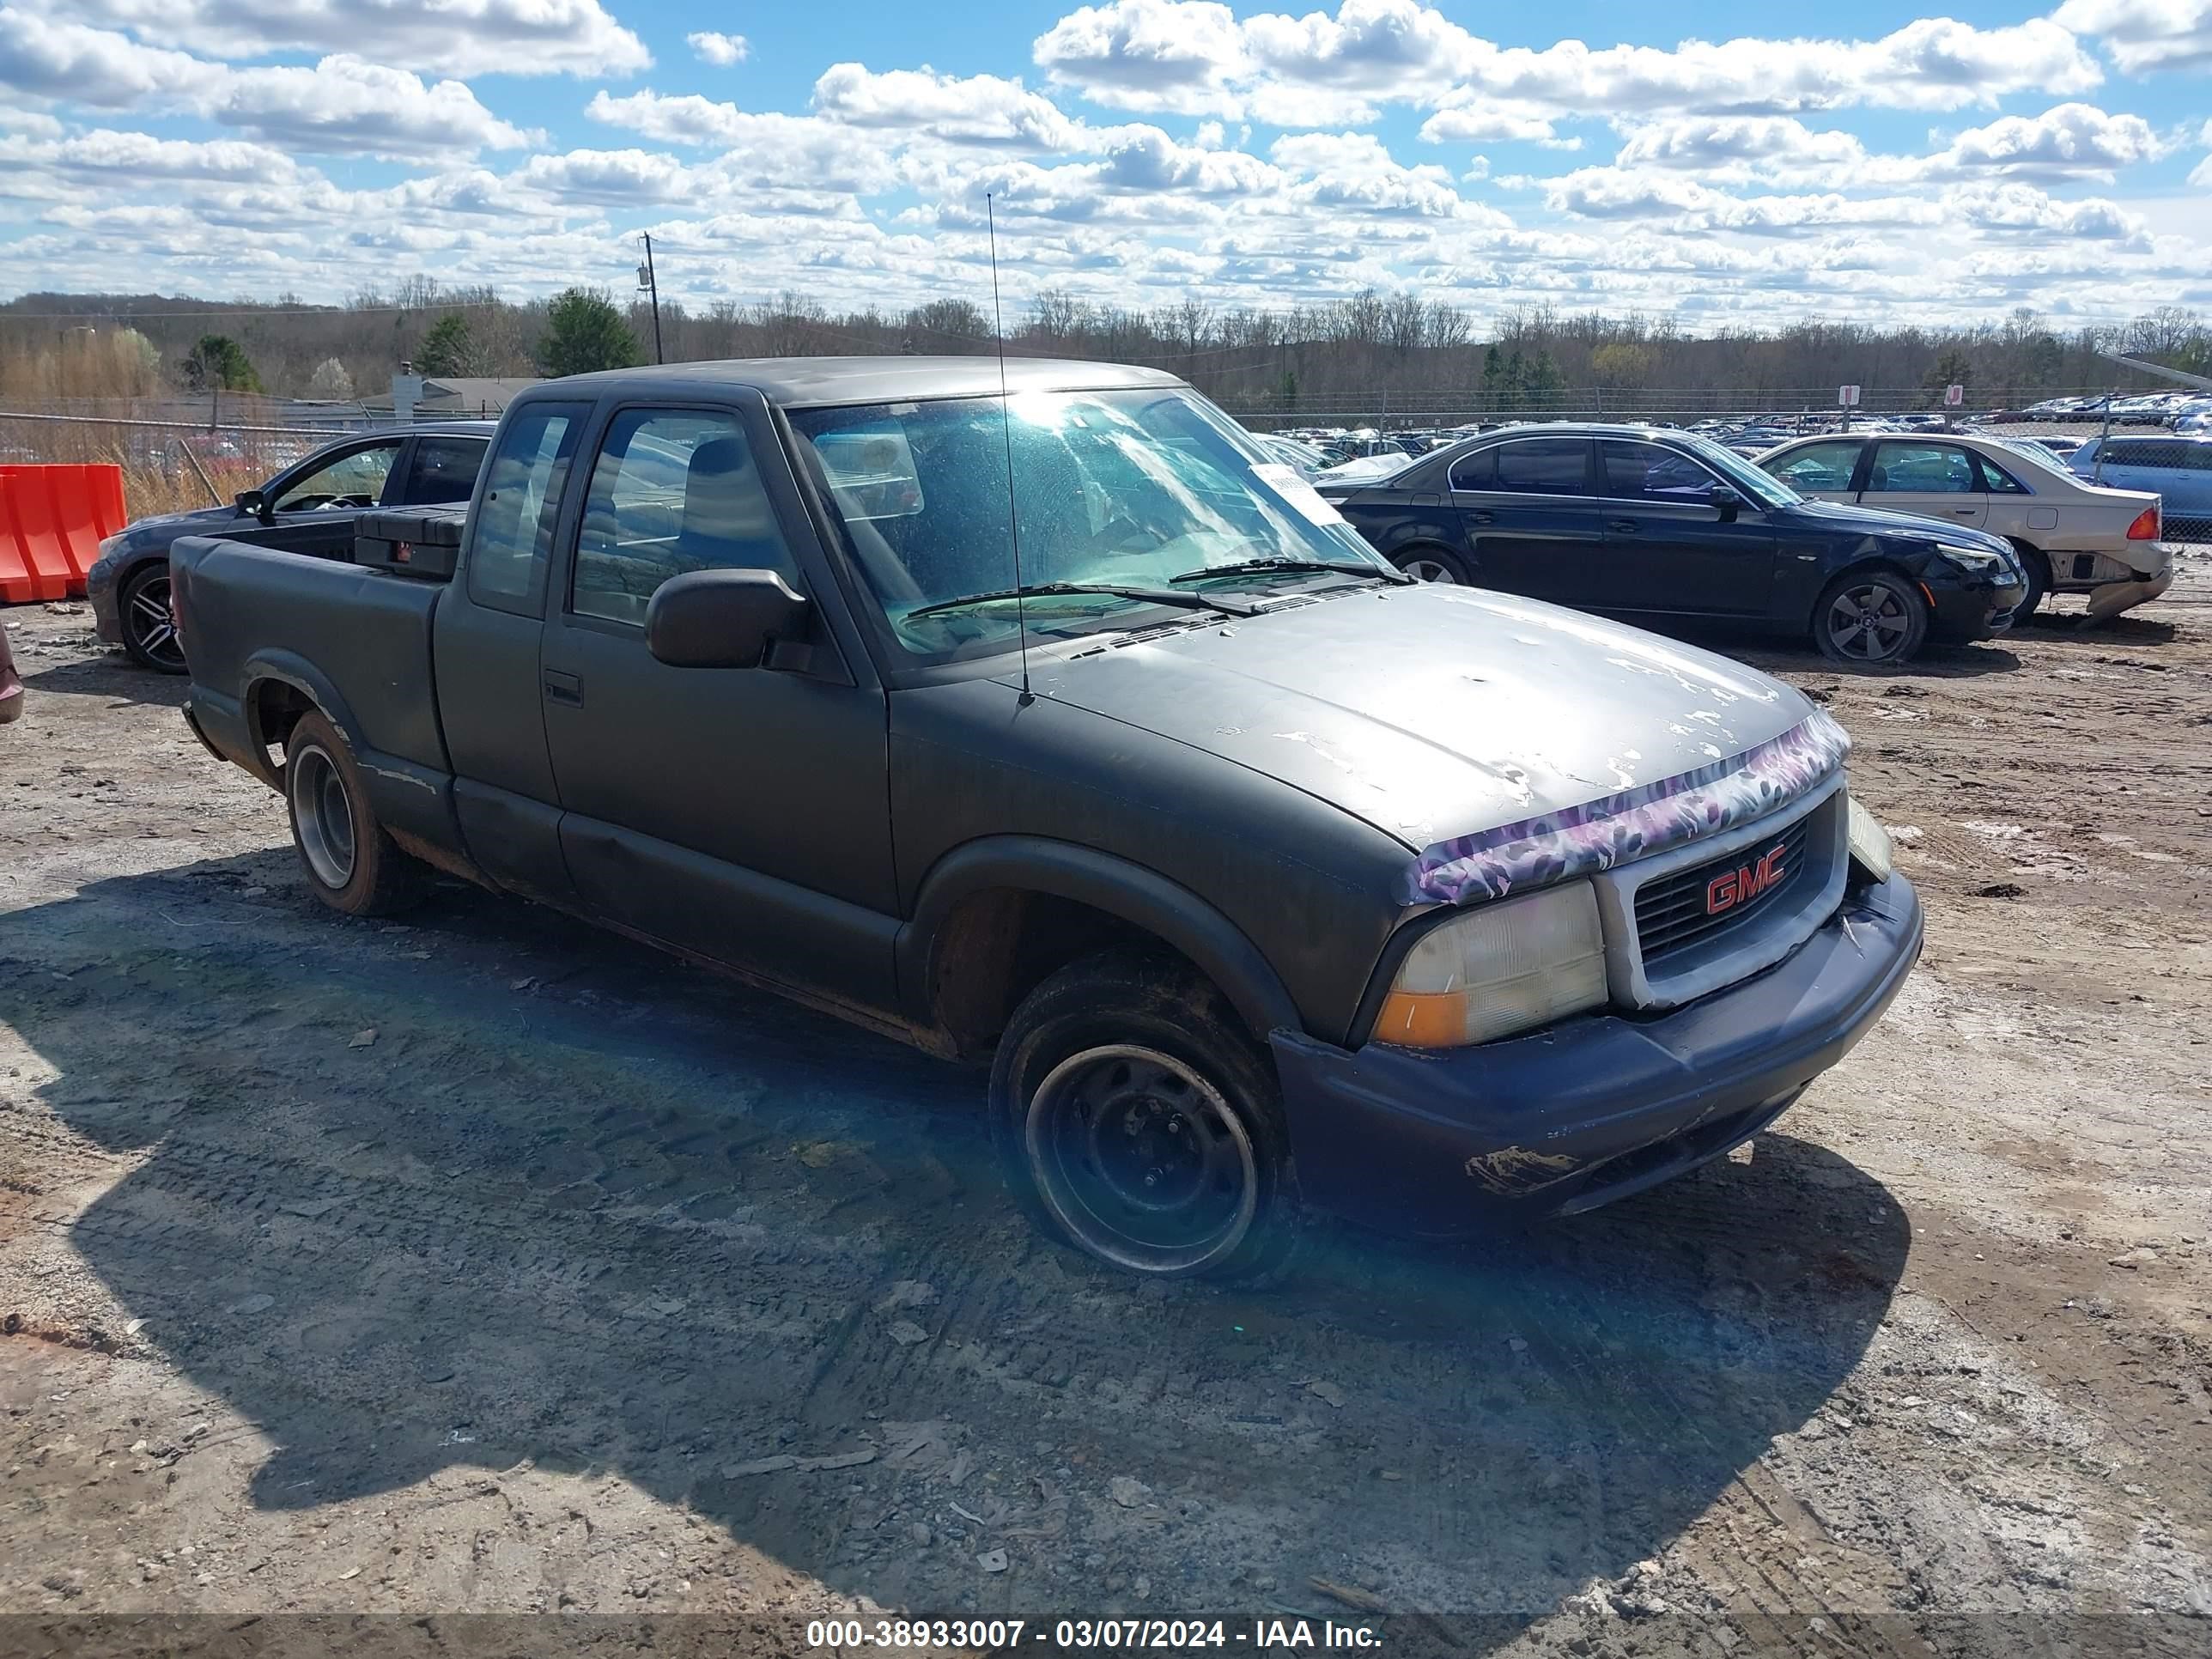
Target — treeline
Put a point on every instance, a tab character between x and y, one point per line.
1376	352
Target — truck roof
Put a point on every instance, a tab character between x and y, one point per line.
805	382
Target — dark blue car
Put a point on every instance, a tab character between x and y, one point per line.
309	508
1655	524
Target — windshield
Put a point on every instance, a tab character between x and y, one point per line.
1761	487
1127	488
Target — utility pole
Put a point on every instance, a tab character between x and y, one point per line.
648	284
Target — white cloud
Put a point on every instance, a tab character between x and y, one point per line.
449	37
805	151
2071	140
98	67
1194	56
2145	35
980	109
1495	121
1769	144
343	106
338	106
720	49
1176	57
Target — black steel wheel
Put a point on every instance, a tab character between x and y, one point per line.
149	632
1870	616
1139	1120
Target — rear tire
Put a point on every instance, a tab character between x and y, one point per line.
352	864
149	634
1435	564
1136	1119
1869	618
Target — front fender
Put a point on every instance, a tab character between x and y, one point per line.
1142	897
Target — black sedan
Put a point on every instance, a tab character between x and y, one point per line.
309	508
1646	523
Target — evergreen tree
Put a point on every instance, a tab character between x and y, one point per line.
583	332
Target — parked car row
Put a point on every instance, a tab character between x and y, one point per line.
1656	524
2144	409
1033	712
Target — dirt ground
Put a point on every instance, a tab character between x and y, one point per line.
487	1264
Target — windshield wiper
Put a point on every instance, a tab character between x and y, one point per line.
1265	567
1147	595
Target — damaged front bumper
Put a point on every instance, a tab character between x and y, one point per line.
1436	1141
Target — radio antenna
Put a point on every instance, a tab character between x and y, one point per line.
1006	431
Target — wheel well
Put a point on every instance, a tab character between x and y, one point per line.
999	945
2030	551
273	708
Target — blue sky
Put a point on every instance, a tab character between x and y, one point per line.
1888	164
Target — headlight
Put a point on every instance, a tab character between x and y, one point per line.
1976	559
1870	848
1512	964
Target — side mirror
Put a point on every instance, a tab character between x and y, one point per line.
1727	501
254	502
721	618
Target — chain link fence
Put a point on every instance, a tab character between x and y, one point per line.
176	453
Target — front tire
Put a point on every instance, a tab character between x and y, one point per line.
1870	616
1137	1120
2038	568
352	864
149	633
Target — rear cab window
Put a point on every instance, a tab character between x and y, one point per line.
511	534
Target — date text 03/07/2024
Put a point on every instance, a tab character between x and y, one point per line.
1257	1635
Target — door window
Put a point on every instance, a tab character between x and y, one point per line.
1922	469
1996	480
1545	466
354	479
511	540
1819	467
673	490
1653	472
443	470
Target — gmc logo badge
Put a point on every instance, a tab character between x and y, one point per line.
1733	887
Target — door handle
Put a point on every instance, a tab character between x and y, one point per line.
1620	524
1473	517
563	688
1964	512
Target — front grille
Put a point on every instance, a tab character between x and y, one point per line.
1672	913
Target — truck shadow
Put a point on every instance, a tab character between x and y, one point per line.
488	1190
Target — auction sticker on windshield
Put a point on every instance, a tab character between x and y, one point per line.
1298	492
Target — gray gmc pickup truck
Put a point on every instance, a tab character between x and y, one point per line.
1267	879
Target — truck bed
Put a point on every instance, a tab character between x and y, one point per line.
251	614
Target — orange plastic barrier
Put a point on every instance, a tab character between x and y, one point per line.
52	520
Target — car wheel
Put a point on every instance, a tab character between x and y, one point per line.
149	633
352	865
2039	582
1870	616
1434	564
1138	1121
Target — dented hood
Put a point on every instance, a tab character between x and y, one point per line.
1435	712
